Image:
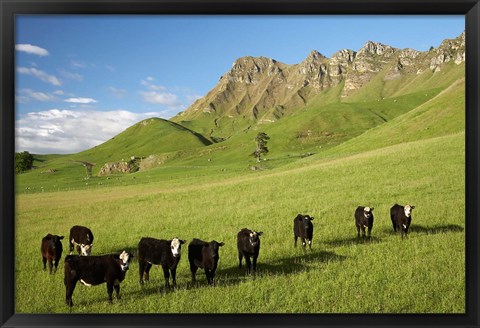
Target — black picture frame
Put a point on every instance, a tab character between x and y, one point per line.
11	8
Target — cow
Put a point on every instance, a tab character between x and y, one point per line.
81	238
51	250
364	220
303	229
159	252
248	245
95	270
401	218
204	255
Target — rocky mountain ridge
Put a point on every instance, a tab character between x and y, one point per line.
263	90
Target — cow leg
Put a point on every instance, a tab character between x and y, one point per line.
174	276
56	264
304	244
207	274
193	269
44	260
310	244
110	291
394	226
240	256
363	231
50	265
117	290
255	263
166	274
248	263
70	287
358	231
369	232
148	266
295	244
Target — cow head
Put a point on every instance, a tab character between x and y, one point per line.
253	237
367	212
175	246
305	219
408	210
85	250
213	248
125	260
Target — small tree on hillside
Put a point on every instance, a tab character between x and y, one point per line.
261	141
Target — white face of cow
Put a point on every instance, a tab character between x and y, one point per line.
367	211
408	210
176	246
254	240
125	258
85	250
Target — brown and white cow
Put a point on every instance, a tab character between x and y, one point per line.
96	270
159	252
51	250
82	238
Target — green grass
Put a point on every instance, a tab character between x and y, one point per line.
340	275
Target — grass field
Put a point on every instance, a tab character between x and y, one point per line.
424	273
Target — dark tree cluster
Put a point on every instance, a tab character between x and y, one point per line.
23	161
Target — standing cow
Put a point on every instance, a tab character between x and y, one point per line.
303	229
95	270
159	252
401	218
82	238
51	251
204	255
248	245
364	220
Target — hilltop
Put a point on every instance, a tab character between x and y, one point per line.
366	99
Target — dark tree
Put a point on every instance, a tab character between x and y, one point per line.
23	162
261	141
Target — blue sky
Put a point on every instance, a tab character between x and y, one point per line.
80	80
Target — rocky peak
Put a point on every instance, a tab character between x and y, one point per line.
251	69
314	56
343	56
376	48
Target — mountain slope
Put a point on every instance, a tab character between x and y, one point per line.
261	90
150	136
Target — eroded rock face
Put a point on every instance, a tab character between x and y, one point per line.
257	87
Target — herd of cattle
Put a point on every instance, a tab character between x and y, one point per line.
111	268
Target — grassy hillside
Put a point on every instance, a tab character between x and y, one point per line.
341	275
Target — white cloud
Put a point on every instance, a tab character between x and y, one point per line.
161	98
27	95
81	100
60	131
40	75
31	49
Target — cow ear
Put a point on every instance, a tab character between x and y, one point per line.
182	241
221	243
260	233
413	207
311	218
371	208
61	237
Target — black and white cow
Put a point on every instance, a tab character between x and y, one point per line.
204	255
95	270
82	238
51	251
303	229
364	220
159	252
248	245
401	218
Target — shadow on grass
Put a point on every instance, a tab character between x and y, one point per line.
435	229
353	241
428	230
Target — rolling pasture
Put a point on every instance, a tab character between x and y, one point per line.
424	273
405	145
